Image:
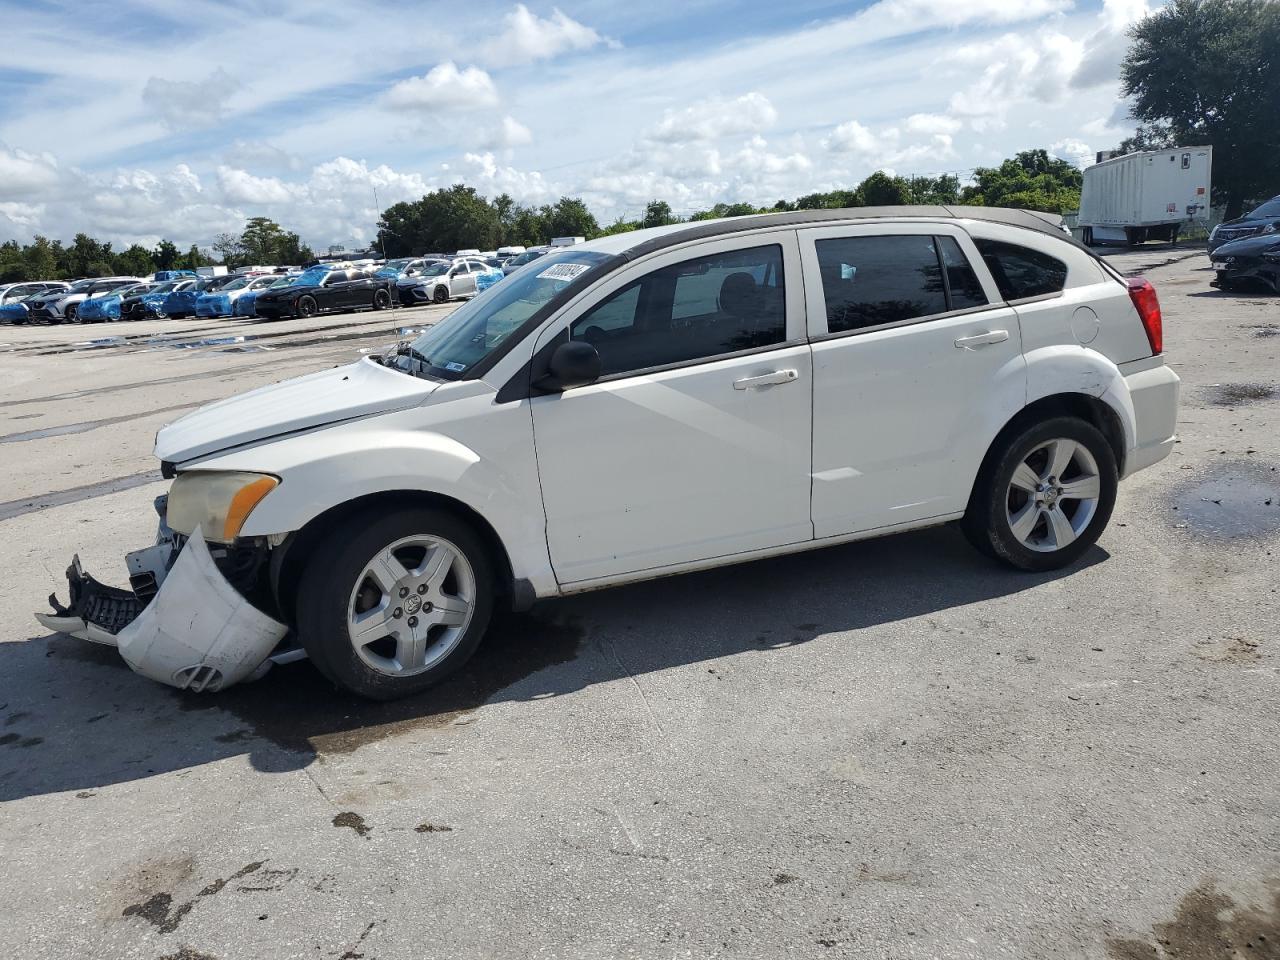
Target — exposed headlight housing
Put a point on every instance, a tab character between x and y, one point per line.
218	502
1269	228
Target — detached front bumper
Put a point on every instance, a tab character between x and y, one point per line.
183	623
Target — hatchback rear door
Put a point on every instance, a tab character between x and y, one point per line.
917	364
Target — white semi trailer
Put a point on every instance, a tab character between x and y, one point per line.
1145	196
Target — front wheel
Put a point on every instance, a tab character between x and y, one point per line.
440	294
395	601
1044	496
305	307
72	313
381	299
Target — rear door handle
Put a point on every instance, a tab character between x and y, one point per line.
765	379
982	339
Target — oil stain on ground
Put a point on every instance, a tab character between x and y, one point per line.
352	821
1209	925
1234	500
1238	394
159	909
294	707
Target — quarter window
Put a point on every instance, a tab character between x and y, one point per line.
693	310
872	281
1021	272
963	287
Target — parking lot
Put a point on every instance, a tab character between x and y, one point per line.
887	749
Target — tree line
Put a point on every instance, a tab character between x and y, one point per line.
457	217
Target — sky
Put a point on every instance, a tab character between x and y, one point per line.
132	120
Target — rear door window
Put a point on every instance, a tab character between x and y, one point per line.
870	281
697	309
1021	272
963	287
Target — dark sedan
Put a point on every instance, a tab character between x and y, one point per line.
1263	221
1251	261
322	290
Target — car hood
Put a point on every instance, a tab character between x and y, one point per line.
285	292
359	389
1248	246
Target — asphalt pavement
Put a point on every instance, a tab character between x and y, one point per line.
887	749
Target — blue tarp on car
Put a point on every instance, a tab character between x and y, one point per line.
180	302
13	313
162	275
213	305
486	280
243	306
100	308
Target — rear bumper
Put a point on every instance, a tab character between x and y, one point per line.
1153	391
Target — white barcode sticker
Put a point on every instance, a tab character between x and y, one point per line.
564	271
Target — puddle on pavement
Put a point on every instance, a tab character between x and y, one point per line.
295	708
1209	924
1231	501
1238	394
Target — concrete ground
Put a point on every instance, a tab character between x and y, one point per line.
889	749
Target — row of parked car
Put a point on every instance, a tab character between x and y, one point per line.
1246	251
333	287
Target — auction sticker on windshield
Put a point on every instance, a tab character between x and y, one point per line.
564	271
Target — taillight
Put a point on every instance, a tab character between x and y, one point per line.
1144	298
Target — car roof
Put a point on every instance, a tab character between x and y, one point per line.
638	243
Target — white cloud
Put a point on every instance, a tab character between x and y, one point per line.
931	123
1105	47
853	137
507	134
23	173
185	104
258	153
444	88
1015	68
1076	151
714	118
528	37
240	186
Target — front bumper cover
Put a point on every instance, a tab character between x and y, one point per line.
198	632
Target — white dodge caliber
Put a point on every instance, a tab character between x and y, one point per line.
642	405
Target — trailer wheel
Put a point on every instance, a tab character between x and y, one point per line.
1086	236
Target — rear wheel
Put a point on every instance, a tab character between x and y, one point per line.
1044	496
305	307
394	601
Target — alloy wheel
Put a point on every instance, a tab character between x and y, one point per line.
411	605
1053	495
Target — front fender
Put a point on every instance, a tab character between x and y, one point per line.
1069	368
420	449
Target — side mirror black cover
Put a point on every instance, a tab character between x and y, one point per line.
573	364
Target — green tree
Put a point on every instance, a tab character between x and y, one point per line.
449	219
135	261
1207	72
569	217
165	255
1030	180
87	257
882	190
227	246
929	190
657	214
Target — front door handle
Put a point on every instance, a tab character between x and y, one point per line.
765	379
982	339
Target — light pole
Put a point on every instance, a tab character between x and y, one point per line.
382	237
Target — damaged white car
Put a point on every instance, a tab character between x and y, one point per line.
646	404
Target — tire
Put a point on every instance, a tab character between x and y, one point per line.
381	299
1086	236
71	314
305	307
338	594
1002	504
440	295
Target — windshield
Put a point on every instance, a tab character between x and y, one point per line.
524	258
237	284
393	267
282	282
469	334
435	270
164	287
1269	209
80	286
312	277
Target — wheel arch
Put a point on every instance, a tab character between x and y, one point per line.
1082	406
289	559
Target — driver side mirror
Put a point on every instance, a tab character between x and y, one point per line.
573	364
